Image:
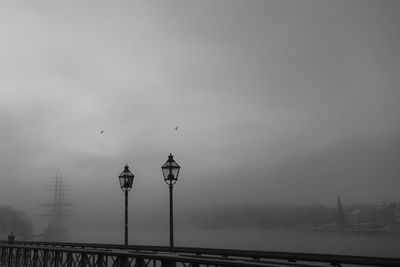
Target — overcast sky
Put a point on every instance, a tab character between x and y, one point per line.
284	101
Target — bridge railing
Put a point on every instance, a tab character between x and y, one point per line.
38	254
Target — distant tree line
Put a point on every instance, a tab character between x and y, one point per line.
267	215
12	220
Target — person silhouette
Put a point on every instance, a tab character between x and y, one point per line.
11	237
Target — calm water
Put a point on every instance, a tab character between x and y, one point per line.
265	239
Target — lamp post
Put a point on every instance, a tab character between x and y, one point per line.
125	181
170	172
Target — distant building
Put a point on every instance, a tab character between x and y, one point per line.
396	215
377	214
360	216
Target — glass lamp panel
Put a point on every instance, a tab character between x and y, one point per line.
121	181
128	181
126	178
175	172
165	172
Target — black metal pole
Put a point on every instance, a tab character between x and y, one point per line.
126	219
171	219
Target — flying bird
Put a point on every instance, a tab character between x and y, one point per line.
176	128
101	131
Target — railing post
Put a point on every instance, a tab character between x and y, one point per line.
18	254
139	262
123	261
83	260
56	258
168	263
45	258
35	257
26	256
10	255
69	259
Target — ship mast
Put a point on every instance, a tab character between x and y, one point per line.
57	212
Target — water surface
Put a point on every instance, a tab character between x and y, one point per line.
289	240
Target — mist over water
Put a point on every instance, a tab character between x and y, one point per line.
287	102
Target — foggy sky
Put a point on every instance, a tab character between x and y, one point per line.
285	101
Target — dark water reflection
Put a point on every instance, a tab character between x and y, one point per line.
290	240
303	241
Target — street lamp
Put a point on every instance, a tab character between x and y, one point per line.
170	172
125	181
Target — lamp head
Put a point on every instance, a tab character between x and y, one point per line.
126	179
170	170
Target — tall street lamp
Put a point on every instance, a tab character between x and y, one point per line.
170	172
125	181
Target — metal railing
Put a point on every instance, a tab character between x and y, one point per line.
61	254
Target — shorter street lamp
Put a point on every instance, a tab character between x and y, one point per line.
125	181
170	172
